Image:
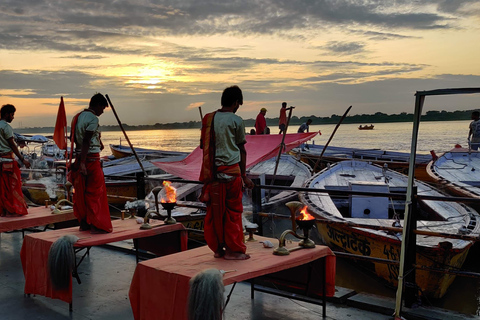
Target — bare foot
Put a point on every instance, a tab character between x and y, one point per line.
219	254
236	256
95	230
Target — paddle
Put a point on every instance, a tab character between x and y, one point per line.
125	134
331	137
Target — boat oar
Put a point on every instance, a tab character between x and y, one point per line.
331	137
125	134
282	147
201	115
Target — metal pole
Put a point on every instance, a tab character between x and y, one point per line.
125	134
201	115
282	147
331	137
419	99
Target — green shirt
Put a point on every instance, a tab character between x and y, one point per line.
229	133
6	133
87	121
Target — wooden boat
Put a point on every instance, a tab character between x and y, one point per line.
394	160
120	151
290	172
436	216
456	172
366	127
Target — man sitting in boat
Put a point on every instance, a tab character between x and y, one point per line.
12	202
304	127
90	204
474	131
223	174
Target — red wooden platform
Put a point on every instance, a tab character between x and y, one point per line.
34	252
160	286
38	216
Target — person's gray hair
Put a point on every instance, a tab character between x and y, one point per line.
205	297
61	261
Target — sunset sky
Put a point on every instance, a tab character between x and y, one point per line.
159	60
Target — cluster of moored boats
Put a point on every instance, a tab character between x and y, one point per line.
339	169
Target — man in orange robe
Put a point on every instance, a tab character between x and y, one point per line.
12	202
90	204
223	174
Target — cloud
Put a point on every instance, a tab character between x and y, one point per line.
345	48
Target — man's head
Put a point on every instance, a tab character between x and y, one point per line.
98	103
8	112
232	97
263	111
475	115
284	104
309	121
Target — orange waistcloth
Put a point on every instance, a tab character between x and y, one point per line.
11	195
160	286
90	198
34	252
223	221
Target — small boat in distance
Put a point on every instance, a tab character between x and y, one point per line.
366	127
120	151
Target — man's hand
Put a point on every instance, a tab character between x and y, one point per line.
83	168
248	183
26	163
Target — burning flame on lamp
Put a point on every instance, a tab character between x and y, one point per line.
170	193
304	215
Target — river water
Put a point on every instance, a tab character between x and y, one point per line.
464	294
438	136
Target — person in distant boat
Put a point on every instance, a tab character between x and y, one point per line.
260	122
282	122
223	174
474	131
304	127
90	204
12	202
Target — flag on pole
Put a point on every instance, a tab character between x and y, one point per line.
59	135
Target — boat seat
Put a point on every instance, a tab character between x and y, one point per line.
369	207
472	183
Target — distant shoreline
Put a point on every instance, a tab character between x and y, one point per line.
363	119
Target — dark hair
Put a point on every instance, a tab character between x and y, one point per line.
6	109
230	95
309	120
284	104
474	113
98	99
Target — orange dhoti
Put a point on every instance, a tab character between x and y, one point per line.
223	222
90	198
11	195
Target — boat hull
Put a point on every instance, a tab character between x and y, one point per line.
358	242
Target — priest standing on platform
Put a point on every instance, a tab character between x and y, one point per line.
223	174
90	203
12	202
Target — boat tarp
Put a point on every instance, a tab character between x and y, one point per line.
259	148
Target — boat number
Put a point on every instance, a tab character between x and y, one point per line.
392	253
197	225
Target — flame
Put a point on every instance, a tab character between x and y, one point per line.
304	215
170	193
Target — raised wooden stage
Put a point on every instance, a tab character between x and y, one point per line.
160	286
34	252
37	216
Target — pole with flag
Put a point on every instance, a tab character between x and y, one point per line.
59	135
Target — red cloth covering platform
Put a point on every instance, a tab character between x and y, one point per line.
159	289
34	252
38	216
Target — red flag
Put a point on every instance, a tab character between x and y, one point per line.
61	127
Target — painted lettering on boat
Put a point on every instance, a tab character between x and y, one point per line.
349	241
197	225
392	253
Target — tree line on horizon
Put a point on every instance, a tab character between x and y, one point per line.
378	117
